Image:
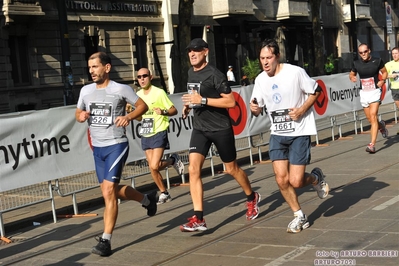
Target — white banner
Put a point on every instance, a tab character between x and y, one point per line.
38	146
340	95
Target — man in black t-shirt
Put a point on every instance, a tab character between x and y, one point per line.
209	96
368	68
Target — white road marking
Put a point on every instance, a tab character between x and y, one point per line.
386	204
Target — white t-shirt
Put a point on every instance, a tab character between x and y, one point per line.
230	76
288	89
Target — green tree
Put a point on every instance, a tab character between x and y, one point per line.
251	69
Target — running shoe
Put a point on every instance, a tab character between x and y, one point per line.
152	207
370	148
383	129
253	208
163	198
103	248
178	164
194	225
321	187
298	224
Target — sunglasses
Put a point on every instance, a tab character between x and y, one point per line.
364	52
143	76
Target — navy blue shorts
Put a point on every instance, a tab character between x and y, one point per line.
294	149
110	160
224	141
159	140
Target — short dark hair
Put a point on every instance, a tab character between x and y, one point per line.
104	58
272	45
364	44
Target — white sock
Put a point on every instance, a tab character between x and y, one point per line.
299	213
107	236
145	201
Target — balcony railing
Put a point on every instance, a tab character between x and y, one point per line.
226	8
13	8
362	12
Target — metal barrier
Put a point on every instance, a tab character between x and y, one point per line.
325	123
346	118
384	109
71	185
24	197
258	141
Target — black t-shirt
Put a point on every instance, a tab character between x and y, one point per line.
211	83
369	69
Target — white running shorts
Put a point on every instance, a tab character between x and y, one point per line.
367	97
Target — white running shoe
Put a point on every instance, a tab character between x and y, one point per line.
321	187
298	224
178	164
163	198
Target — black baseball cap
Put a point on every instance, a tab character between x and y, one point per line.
197	44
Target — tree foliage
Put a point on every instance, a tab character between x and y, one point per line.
251	69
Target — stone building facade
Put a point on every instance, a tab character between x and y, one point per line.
139	33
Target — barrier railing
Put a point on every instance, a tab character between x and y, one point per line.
71	185
24	197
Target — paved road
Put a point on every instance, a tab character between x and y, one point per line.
358	223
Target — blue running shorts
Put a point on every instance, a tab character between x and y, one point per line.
110	160
159	140
294	149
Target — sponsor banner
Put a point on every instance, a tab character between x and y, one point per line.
339	95
38	146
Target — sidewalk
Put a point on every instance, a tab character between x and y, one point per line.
358	223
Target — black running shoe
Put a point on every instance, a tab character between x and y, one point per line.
152	207
103	248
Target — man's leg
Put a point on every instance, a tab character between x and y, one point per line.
288	178
197	221
253	198
109	192
286	183
371	114
239	175
156	165
196	188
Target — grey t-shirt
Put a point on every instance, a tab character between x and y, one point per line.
105	105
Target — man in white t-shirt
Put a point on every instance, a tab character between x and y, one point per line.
288	93
230	75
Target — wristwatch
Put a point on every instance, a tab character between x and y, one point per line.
164	112
204	101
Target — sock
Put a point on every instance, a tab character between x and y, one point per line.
251	197
173	160
166	192
107	236
199	214
145	201
299	213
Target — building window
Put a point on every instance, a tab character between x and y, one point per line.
91	47
19	60
140	42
